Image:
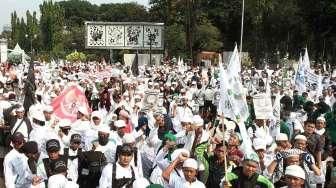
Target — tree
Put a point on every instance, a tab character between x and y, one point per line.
52	27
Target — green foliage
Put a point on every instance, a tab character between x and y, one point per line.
76	57
52	26
269	26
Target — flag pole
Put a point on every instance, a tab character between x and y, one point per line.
242	28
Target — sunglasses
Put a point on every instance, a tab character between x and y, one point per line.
77	143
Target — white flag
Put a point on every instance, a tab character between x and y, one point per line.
300	77
306	62
233	100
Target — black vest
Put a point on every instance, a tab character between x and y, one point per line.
119	183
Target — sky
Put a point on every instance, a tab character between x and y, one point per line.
21	6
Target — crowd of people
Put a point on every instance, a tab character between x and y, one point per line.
160	128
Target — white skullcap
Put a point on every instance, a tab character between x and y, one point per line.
83	110
64	123
300	137
38	115
177	152
20	109
296	171
96	114
140	183
198	121
120	123
281	137
321	118
128	139
104	129
186	119
48	108
259	143
190	163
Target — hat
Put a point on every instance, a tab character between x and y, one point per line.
198	121
20	109
281	137
169	136
96	114
83	110
104	129
321	118
128	139
124	113
38	117
292	152
177	152
120	123
53	145
64	123
190	163
59	166
300	137
17	137
259	144
140	183
30	147
48	108
251	156
296	171
76	137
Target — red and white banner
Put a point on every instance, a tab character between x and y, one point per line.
67	103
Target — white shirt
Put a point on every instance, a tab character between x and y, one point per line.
16	170
73	166
106	177
60	181
179	182
182	111
41	135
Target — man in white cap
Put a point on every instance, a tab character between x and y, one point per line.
105	143
295	176
50	120
190	169
259	146
184	110
82	124
118	131
40	134
282	142
128	139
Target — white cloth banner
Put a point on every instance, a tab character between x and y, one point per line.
262	106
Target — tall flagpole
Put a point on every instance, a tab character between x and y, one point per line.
242	28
